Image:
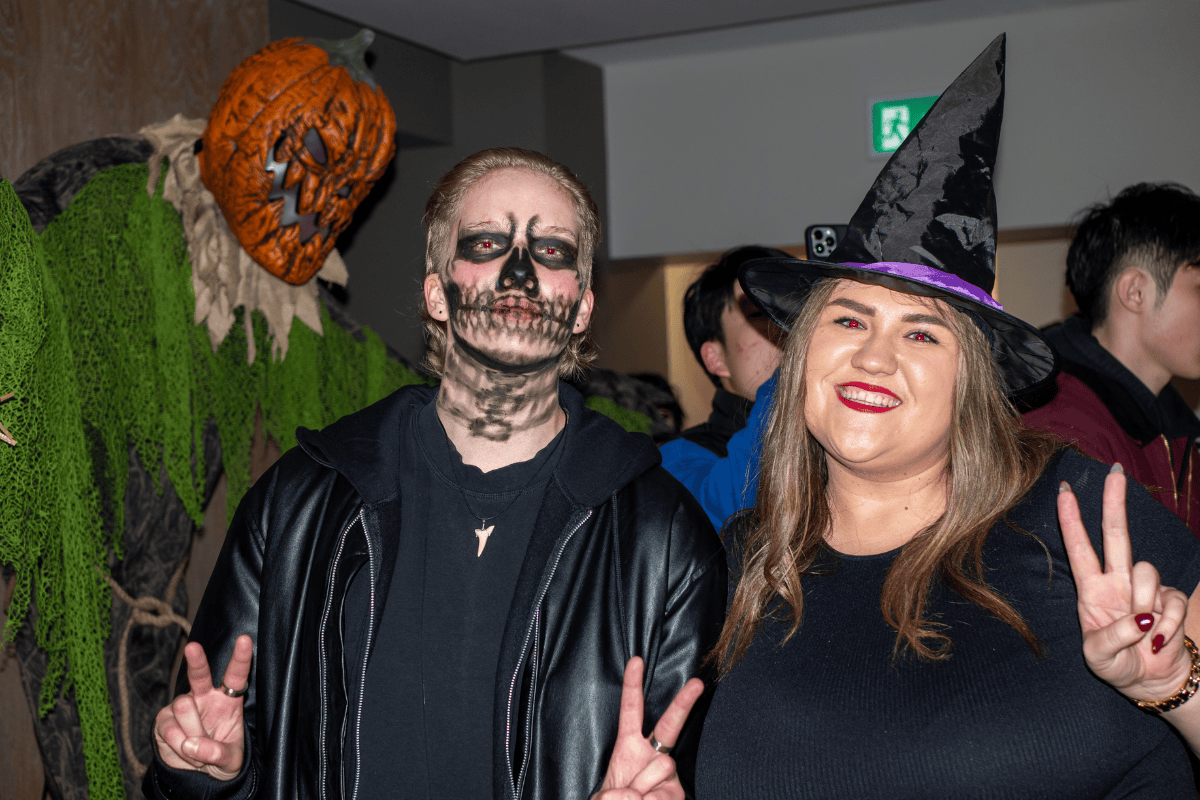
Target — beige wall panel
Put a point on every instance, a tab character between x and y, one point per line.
1032	280
692	385
72	70
629	323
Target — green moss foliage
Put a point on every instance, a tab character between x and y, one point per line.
98	344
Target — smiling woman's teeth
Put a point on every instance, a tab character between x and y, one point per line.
867	398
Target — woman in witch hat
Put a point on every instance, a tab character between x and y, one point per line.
920	608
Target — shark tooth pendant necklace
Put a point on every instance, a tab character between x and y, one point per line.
458	470
483	534
484	530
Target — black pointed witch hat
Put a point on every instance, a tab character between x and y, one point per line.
928	227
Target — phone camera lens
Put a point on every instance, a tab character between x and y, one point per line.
820	248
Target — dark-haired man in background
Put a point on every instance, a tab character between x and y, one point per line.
738	348
1134	269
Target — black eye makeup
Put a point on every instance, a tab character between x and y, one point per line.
553	253
550	251
484	246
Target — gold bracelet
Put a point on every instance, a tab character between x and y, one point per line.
1185	692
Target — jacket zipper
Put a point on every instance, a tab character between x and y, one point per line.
337	557
362	684
533	674
534	621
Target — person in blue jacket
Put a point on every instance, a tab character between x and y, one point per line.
739	349
727	485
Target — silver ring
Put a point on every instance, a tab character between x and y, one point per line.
659	746
234	692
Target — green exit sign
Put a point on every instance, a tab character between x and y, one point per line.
892	120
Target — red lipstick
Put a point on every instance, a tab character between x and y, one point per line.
867	407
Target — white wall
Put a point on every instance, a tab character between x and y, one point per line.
716	148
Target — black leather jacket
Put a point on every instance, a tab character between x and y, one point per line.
622	562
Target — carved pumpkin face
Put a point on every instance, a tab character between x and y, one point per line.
298	135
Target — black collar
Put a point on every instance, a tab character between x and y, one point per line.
729	412
728	416
596	457
1140	414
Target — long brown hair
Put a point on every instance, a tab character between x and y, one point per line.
994	460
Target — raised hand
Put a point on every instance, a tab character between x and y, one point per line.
1132	625
202	730
636	770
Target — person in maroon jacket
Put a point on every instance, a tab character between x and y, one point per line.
1134	269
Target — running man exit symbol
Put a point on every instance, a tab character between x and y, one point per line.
893	120
895	126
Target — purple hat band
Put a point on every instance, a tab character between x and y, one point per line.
930	276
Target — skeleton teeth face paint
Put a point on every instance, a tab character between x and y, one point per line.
514	290
509	333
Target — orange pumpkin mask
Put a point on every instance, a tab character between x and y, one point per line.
298	135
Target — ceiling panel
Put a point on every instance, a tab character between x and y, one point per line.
476	29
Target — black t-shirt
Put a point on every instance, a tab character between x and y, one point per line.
829	714
430	689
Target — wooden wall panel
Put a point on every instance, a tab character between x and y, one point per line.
72	70
693	388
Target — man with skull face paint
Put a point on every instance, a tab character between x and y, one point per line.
483	589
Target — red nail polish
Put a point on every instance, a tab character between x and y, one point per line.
1144	621
1157	643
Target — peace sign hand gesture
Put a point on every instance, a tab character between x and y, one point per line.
202	730
1132	625
637	769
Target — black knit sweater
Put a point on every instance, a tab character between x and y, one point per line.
830	714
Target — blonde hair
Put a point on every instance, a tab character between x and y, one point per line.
443	207
994	460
